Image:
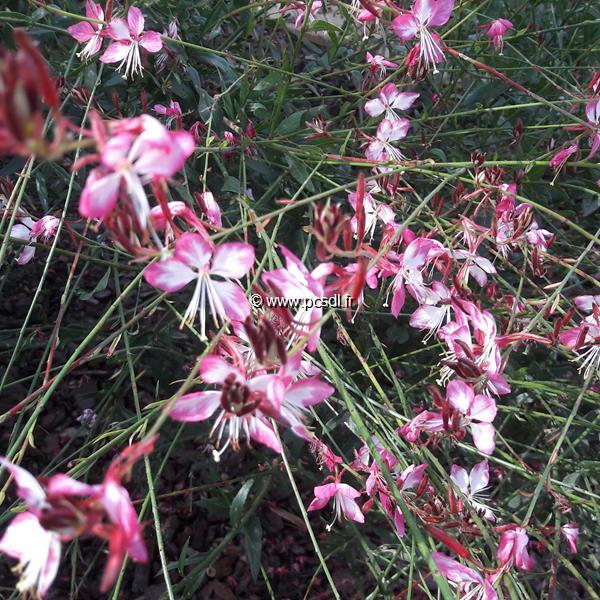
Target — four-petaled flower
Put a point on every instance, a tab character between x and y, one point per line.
344	501
89	32
418	21
129	36
212	270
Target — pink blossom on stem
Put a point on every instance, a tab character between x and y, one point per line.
592	112
381	148
390	99
30	230
296	282
497	31
472	485
570	532
512	549
129	37
213	271
379	64
172	112
418	21
469	583
344	501
477	412
132	153
89	33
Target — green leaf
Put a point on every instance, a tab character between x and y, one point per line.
231	184
253	544
291	123
237	506
320	25
100	286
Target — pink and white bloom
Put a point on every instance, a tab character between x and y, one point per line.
472	485
434	311
89	33
301	10
586	303
210	208
129	37
379	64
243	405
409	273
373	212
584	339
172	112
417	22
558	161
175	209
469	583
592	112
390	100
30	230
133	152
497	31
477	412
570	532
36	549
296	282
381	148
344	501
512	549
61	509
213	271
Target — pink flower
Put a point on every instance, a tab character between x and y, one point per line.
468	582
592	112
36	549
373	212
585	340
571	532
381	149
195	260
409	274
379	64
512	548
296	282
423	15
30	230
472	485
133	152
557	162
478	413
244	403
175	209
344	501
301	10
61	509
496	32
86	31
172	112
129	36
586	303
434	310
210	208
390	99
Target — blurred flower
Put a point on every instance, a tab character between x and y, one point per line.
496	32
